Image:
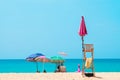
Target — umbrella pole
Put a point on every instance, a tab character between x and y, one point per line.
43	66
37	66
83	55
82	44
56	65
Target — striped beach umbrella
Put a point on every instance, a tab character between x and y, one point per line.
42	59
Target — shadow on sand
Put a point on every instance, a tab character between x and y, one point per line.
90	76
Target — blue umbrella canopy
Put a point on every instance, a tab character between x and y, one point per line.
32	56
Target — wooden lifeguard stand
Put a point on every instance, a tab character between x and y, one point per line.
88	49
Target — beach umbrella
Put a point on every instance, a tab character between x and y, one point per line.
32	57
57	59
42	59
82	31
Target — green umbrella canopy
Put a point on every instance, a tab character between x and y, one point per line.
56	59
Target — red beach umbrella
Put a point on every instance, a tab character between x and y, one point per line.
82	31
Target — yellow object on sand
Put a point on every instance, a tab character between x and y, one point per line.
88	62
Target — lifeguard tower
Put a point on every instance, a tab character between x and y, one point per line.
88	63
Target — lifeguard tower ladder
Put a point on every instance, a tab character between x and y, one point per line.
88	48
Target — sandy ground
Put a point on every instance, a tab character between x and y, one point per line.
59	76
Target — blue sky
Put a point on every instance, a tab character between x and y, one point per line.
51	26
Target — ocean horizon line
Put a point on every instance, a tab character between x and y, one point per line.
66	58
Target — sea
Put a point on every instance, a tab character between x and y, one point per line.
23	66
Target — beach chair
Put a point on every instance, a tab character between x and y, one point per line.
88	62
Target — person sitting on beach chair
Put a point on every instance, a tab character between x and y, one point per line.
62	69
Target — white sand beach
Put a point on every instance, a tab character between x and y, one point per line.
59	76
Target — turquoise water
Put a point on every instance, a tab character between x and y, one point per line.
19	65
